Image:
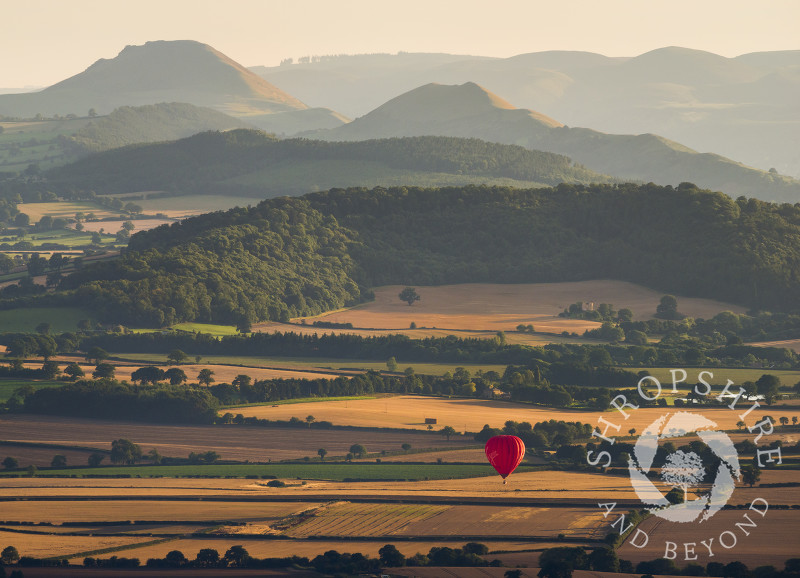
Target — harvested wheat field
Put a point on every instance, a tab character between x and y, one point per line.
114	226
773	540
576	486
406	411
44	546
503	307
309	548
39	457
258	444
417	520
58	512
793	344
346	519
145	487
571	487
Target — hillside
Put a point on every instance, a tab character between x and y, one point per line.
471	111
57	141
296	122
162	71
292	257
744	108
151	123
257	164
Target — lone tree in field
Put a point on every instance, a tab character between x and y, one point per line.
96	355
104	371
358	450
10	463
751	475
74	371
95	459
683	471
310	419
322	453
447	431
59	461
409	295
668	308
391	364
205	377
406	447
176	357
125	452
768	385
9	555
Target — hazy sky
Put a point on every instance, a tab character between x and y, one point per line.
44	41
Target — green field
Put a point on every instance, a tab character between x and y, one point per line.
65	209
306	176
312	471
25	142
721	375
321	363
25	319
9	386
194	203
216	330
69	238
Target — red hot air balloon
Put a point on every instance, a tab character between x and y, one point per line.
505	453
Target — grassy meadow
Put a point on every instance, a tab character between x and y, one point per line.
25	320
9	386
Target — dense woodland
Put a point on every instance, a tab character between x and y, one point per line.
205	162
288	257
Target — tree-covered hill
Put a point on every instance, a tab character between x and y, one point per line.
151	123
298	256
255	163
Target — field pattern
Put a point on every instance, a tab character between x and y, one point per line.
44	546
346	519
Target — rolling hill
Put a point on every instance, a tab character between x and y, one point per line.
53	142
299	256
745	108
471	111
255	164
151	123
161	71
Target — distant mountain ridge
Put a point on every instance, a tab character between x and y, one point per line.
745	108
160	71
471	111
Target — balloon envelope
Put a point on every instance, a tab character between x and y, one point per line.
505	453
